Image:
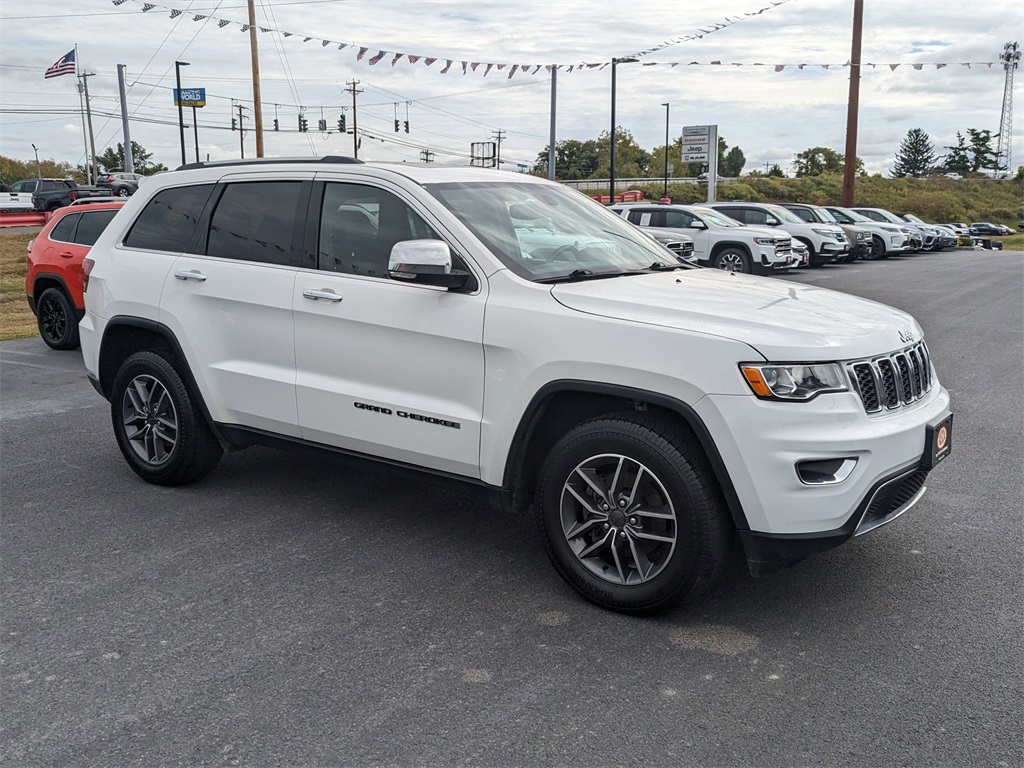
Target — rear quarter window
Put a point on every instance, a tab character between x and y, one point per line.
64	230
91	226
169	220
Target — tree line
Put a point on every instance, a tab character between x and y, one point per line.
971	154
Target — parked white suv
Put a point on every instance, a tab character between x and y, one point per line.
718	241
826	242
886	238
505	331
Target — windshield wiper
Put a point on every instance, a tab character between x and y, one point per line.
659	266
580	274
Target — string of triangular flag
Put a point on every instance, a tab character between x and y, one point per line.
485	68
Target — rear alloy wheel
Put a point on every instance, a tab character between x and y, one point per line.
58	324
123	192
159	427
631	516
733	260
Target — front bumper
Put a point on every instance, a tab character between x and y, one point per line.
763	442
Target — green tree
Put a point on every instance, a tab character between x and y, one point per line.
916	155
573	159
820	160
972	154
776	171
631	160
983	156
113	160
731	165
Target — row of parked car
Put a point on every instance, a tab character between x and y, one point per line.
765	237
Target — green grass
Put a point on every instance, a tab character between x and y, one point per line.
16	319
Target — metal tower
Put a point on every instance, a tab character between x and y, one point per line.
1009	58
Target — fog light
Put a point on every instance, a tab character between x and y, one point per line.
825	471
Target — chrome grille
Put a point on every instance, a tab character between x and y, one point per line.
892	381
783	246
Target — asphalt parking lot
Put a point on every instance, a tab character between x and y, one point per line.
298	609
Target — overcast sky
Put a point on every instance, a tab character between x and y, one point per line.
770	113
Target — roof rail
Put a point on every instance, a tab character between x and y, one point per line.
329	159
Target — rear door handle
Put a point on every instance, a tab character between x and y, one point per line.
67	255
313	293
190	274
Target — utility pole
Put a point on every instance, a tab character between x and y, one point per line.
850	165
551	130
88	114
355	124
499	136
257	106
426	156
129	159
241	129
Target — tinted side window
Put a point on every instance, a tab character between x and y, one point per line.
91	226
50	186
804	214
360	224
254	221
678	219
23	186
168	221
64	230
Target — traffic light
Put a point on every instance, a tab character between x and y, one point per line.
341	124
406	126
303	124
234	124
321	126
396	125
276	127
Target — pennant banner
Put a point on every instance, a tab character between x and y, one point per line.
512	70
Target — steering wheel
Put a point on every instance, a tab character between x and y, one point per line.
564	253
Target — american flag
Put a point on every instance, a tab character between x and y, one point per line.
65	65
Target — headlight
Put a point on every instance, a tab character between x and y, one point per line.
825	232
764	241
890	229
793	382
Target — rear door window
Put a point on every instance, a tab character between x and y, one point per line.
256	221
91	226
168	221
804	214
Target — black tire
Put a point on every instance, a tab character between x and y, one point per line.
733	259
57	320
171	443
123	192
877	250
599	534
51	207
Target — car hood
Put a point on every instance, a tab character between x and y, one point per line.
784	321
758	232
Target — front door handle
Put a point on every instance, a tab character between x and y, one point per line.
313	293
190	274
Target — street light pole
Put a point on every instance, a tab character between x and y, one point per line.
665	191
39	172
611	158
181	119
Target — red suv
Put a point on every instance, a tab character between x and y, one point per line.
54	280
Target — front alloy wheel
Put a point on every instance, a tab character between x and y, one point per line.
733	260
630	513
618	520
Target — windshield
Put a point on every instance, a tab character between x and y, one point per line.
785	215
913	218
855	217
544	232
825	215
717	218
890	217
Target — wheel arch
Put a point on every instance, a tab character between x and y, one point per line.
717	248
123	336
45	280
560	405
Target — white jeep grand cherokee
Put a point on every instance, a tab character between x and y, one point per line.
508	332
